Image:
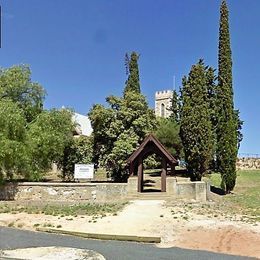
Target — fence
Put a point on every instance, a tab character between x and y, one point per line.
249	155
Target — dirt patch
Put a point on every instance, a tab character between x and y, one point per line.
194	226
224	239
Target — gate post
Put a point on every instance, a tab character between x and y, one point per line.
140	175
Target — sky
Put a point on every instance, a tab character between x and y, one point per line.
76	48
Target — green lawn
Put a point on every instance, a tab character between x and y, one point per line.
245	199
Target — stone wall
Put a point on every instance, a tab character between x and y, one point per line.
66	192
99	192
187	190
248	163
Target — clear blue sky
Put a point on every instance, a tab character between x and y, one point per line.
76	48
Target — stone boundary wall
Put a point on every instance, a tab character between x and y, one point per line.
99	192
186	190
64	192
246	163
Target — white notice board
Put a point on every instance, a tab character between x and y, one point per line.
84	171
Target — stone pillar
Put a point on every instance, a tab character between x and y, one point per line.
132	184
208	184
171	186
200	191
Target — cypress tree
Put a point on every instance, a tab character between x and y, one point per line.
195	122
211	83
132	83
174	109
126	64
227	126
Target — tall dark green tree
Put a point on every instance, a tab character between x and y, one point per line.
175	107
132	70
195	124
126	64
228	121
211	99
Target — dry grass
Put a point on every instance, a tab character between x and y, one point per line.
89	209
245	199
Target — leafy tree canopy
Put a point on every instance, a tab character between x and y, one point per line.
47	138
118	129
31	139
78	150
168	132
16	85
12	138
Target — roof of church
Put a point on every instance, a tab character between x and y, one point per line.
83	124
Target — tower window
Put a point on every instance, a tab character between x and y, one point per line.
162	110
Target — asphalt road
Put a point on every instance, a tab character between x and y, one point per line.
11	238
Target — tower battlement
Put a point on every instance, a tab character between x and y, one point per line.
163	94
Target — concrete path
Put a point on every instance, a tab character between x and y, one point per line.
11	238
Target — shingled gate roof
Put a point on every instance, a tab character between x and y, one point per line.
147	141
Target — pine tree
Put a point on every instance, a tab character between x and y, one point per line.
195	122
228	121
132	83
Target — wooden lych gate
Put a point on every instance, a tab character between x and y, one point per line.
150	145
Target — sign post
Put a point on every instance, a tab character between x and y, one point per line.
83	171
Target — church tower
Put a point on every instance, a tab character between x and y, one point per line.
163	101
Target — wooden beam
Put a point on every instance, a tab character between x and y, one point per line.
140	174
172	169
163	175
131	173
